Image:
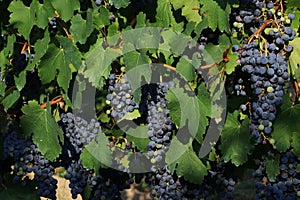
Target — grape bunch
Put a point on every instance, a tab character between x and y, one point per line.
286	184
120	96
78	130
163	183
263	61
77	175
27	158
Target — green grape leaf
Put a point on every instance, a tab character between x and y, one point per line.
140	20
191	14
164	15
22	17
176	41
59	59
205	111
97	153
47	135
215	15
80	28
101	18
20	80
236	139
65	8
231	64
98	62
40	48
184	110
216	51
295	57
15	191
293	3
43	13
138	135
119	3
185	68
286	131
10	99
188	164
272	166
2	88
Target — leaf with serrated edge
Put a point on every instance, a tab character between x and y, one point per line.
119	3
46	132
236	139
189	164
80	28
22	17
286	130
272	166
10	99
65	8
99	152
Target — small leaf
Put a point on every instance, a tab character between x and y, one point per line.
119	3
191	14
43	12
20	80
295	57
236	139
10	99
272	166
46	132
97	152
80	28
65	8
22	17
98	63
189	164
185	68
286	131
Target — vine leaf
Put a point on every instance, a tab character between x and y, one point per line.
98	62
66	8
119	3
187	9
47	135
286	131
10	99
295	57
22	17
101	18
80	28
215	52
231	64
272	166
185	68
60	59
43	13
189	164
293	3
182	110
236	139
40	48
97	154
215	15
164	15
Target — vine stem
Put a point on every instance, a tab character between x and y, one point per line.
55	100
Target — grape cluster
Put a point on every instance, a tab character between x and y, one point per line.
120	96
77	175
27	158
263	60
78	130
163	183
286	184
